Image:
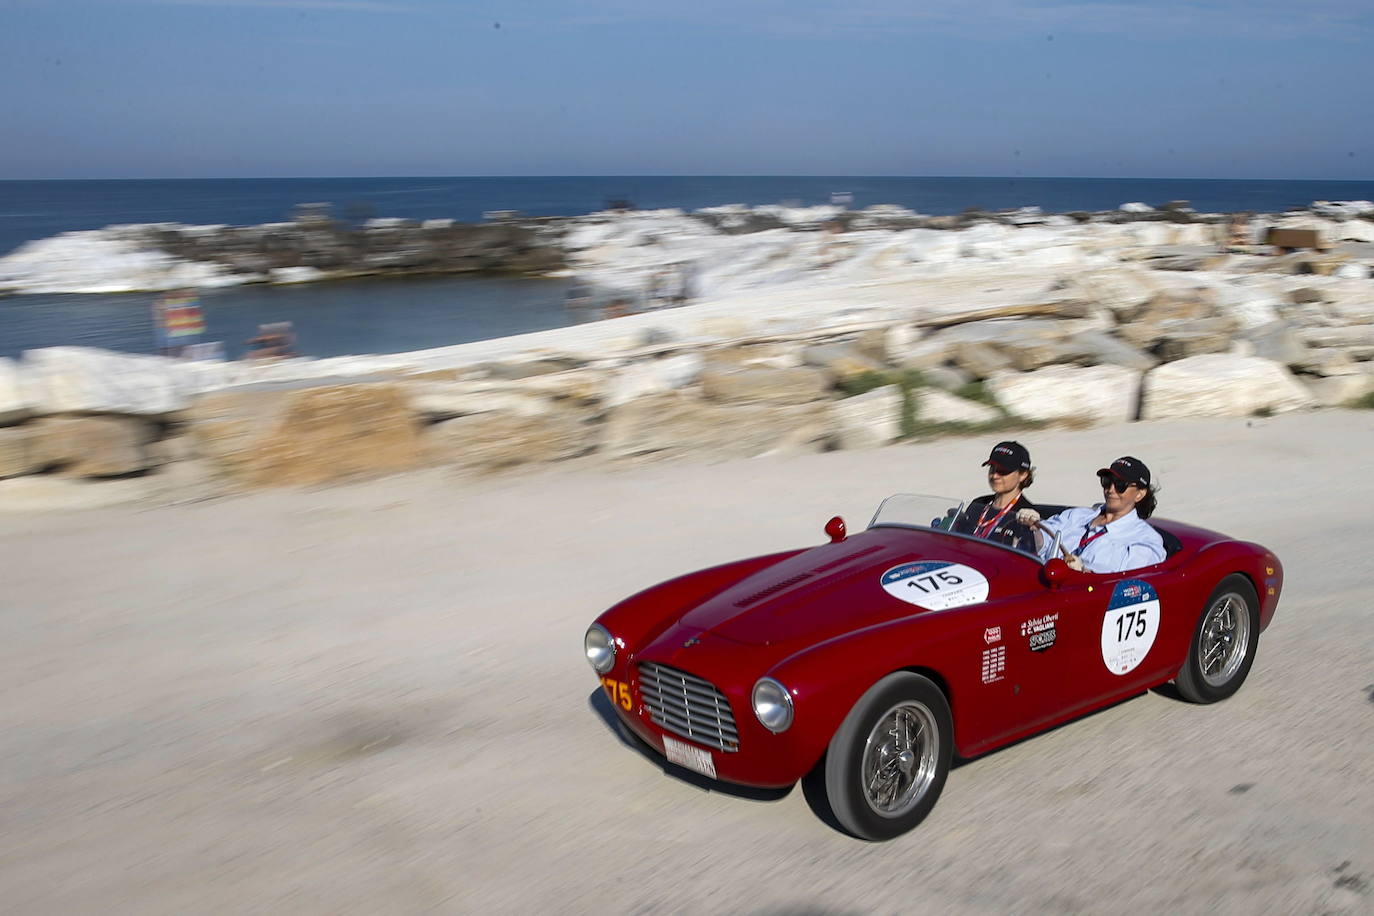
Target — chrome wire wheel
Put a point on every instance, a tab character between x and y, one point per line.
1223	639
900	759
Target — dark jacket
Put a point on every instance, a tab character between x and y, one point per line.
1007	530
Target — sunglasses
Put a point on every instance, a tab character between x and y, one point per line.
1116	483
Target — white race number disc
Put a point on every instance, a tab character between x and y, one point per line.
1129	626
936	584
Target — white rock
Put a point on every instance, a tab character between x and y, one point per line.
109	260
654	377
868	420
460	399
43	493
935	406
1093	394
1353	230
86	380
1352	271
1136	207
1220	385
284	275
15	401
1338	390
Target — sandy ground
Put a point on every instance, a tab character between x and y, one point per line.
372	699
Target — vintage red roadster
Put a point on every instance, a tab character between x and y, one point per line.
871	660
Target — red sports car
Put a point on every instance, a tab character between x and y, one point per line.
871	660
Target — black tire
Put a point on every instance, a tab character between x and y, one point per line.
874	808
1223	645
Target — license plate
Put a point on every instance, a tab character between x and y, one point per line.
693	758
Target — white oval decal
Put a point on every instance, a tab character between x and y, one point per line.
936	584
1129	626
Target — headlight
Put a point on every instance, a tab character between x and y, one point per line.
772	705
600	648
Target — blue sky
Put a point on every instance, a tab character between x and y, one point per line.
230	88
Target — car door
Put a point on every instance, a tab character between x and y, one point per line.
1095	642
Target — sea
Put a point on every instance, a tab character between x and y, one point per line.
396	315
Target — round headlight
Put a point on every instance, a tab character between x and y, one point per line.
772	705
600	648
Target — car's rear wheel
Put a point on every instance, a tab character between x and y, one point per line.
1223	645
889	758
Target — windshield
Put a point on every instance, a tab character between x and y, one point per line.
911	510
933	513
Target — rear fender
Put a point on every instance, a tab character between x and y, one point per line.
1254	561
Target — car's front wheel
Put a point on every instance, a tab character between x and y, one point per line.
1223	646
889	758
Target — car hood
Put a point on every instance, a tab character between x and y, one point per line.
832	589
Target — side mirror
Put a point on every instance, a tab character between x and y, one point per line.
835	529
1055	572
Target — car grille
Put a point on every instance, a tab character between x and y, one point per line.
688	706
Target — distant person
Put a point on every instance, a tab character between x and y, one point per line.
1111	536
1238	233
994	517
273	341
618	307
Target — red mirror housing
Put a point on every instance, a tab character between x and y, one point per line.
1055	572
835	529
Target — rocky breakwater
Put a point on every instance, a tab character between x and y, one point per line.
1102	345
313	247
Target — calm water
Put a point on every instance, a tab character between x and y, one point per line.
330	319
396	315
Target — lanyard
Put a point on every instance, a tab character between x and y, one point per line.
982	530
1087	539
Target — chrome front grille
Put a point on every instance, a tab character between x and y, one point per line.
688	706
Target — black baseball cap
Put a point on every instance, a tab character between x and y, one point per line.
1009	456
1131	470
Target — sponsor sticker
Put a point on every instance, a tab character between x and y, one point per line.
936	584
1041	632
992	635
994	664
1129	626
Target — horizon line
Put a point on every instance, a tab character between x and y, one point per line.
701	175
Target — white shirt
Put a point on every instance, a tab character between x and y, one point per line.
1127	542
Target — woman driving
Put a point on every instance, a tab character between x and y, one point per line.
994	517
1111	536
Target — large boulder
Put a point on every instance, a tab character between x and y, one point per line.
1100	347
980	360
17	455
841	360
1076	394
1276	341
492	441
679	423
47	493
85	446
932	405
1219	385
656	376
85	380
308	435
868	420
773	386
15	401
441	400
1336	390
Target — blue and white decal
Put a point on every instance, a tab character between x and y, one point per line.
1129	626
936	584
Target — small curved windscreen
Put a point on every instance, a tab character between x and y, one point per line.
911	510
